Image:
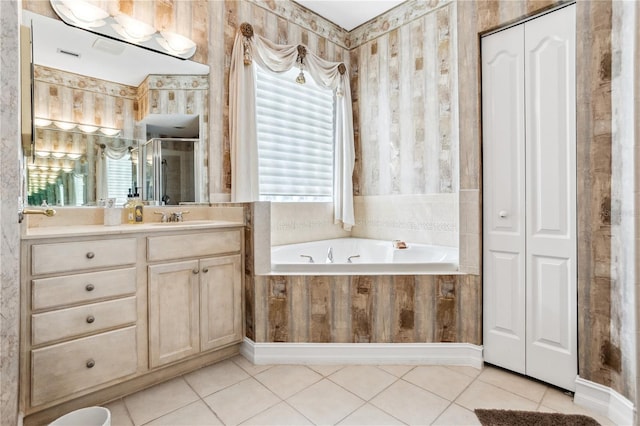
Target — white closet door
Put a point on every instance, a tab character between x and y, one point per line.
551	198
504	198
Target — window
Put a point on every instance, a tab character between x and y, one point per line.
295	127
119	178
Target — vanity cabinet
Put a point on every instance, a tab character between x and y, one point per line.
82	317
106	315
195	305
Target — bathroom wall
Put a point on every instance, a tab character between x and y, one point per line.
405	102
10	235
625	185
405	96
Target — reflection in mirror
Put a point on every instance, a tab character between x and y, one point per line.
96	103
168	170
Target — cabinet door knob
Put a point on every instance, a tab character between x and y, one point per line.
91	319
89	287
205	270
91	363
195	271
91	255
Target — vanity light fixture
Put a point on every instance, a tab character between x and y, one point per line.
176	44
87	129
81	13
131	29
64	125
57	154
42	122
109	131
67	125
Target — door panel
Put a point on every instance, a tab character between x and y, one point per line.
503	202
221	304
173	312
551	198
529	198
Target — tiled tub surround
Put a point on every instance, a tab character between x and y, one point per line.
426	219
107	310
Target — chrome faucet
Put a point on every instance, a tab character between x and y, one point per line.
308	257
330	255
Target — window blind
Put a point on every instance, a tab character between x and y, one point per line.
119	178
295	125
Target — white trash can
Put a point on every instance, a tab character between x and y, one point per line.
90	416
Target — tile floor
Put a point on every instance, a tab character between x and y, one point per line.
236	392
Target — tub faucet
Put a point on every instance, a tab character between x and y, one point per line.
330	255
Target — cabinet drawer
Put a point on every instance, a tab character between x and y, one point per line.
78	288
65	323
193	245
61	370
64	257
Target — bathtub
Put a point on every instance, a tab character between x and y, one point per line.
368	257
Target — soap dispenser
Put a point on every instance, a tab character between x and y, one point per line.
129	207
138	207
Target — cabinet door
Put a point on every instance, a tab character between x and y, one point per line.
174	301
221	301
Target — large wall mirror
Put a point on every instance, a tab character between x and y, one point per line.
109	116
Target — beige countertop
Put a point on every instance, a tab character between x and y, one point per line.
155	227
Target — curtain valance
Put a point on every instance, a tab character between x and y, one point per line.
250	49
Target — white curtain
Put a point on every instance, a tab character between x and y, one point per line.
242	118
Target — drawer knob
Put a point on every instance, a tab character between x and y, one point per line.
91	255
91	363
90	287
205	270
195	271
91	319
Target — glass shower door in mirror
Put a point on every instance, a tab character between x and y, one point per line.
169	172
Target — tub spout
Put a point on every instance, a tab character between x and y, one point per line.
351	257
330	255
308	257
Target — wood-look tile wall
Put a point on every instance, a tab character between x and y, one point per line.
364	309
405	102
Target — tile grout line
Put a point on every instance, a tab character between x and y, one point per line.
453	401
202	399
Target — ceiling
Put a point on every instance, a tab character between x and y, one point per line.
349	14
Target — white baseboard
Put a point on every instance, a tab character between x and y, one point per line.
464	354
604	400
